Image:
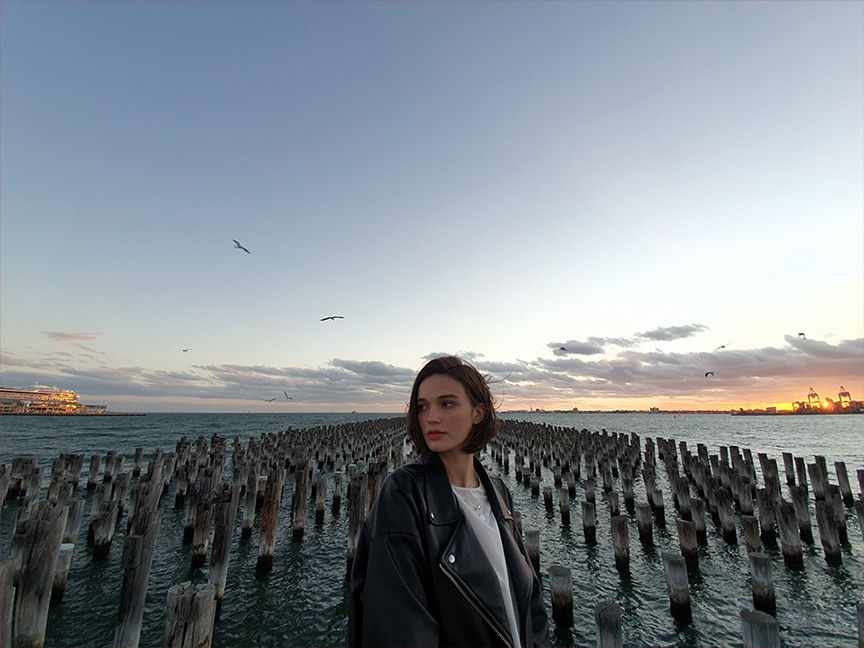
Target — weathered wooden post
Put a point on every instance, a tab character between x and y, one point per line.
564	505
93	477
687	543
138	550
828	532
356	509
338	478
320	497
189	616
589	522
621	542
843	481
819	481
763	583
248	522
789	468
644	522
802	513
767	517
102	524
41	548
8	572
682	497
561	591
547	498
532	547
859	607
614	506
607	618
751	533
678	586
790	540
203	519
299	498
697	508
73	521
269	519
859	511
61	573
727	517
224	515
759	630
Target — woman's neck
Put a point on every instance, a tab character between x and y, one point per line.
460	469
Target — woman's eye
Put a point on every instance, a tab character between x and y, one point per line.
420	408
447	404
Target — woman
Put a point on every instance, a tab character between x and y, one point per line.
439	561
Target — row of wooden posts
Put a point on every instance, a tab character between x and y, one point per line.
722	480
47	530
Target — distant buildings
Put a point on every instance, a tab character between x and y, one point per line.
40	399
815	405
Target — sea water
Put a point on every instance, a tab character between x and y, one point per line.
303	600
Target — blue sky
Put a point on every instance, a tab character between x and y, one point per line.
639	183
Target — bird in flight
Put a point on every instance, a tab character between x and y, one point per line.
185	350
287	397
709	373
802	336
268	400
237	245
562	348
332	317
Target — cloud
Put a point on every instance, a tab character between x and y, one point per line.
671	333
57	336
569	379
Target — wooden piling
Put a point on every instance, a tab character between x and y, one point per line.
682	497
299	498
752	540
8	573
564	504
677	585
61	573
189	616
859	511
759	629
561	594
621	542
727	517
338	478
320	497
269	520
790	540
589	522
828	532
687	543
224	515
73	521
859	608
93	476
38	564
767	517
802	513
203	519
356	509
644	522
532	547
819	480
102	525
248	522
789	468
547	498
607	619
138	550
762	583
843	482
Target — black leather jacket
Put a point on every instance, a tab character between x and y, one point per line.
421	578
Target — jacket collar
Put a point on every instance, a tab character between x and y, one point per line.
441	501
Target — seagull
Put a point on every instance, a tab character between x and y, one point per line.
185	350
268	400
237	245
332	317
802	335
562	348
709	373
722	346
286	395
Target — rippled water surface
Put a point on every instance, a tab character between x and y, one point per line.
302	601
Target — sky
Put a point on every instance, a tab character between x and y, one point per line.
595	203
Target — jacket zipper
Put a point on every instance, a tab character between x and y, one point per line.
473	605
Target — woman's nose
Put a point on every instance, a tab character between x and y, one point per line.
433	414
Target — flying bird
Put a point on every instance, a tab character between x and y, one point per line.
562	348
332	317
802	336
237	245
286	395
268	400
185	350
709	373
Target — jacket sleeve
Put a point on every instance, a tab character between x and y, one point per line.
391	604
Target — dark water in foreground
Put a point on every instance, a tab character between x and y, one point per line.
302	601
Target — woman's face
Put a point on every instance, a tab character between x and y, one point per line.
445	413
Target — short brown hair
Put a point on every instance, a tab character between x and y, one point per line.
477	389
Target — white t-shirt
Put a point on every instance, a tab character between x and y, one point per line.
475	506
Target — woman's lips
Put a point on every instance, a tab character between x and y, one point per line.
435	434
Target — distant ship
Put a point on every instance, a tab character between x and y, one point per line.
814	405
48	401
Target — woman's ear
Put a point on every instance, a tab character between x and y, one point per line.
479	414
